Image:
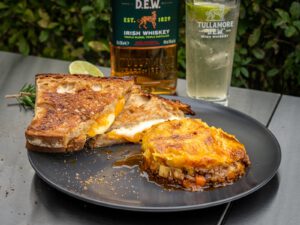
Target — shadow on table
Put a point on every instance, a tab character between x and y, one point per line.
254	204
57	206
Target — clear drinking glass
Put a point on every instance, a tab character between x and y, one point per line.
211	27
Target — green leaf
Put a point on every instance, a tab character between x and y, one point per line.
13	39
23	46
31	35
272	44
49	52
280	23
67	51
86	9
76	53
283	14
27	96
61	3
43	23
80	38
255	7
258	53
43	14
237	57
52	25
27	101
98	46
243	51
297	24
181	57
237	72
269	44
45	19
254	37
295	10
105	16
260	67
43	36
246	61
22	5
245	72
3	6
28	15
100	5
272	72
290	31
4	27
72	10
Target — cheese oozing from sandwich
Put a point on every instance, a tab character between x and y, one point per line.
103	123
135	133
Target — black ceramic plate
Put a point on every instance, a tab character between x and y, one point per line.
90	175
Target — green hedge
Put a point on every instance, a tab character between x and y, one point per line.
267	53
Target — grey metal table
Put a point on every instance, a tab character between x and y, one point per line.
26	199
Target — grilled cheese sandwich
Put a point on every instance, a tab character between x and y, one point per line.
72	108
140	112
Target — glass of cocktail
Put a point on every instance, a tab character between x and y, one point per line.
211	27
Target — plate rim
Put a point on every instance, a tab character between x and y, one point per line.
175	208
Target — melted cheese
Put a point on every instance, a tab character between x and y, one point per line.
135	133
119	106
196	145
101	125
104	122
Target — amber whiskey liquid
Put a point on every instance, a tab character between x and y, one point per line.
144	43
154	68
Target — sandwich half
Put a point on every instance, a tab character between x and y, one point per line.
141	111
73	108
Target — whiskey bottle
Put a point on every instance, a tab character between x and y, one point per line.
144	43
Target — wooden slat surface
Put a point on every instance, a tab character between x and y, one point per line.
25	199
279	202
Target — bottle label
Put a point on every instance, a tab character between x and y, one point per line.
214	20
215	30
143	23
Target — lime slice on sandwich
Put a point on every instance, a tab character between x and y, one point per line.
203	11
84	67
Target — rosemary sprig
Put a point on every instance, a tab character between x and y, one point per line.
26	96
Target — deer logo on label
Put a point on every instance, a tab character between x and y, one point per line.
216	14
145	19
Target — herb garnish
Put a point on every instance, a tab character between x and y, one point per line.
26	96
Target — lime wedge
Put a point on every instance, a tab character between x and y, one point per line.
84	67
204	11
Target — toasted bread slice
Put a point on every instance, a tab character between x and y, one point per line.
141	111
71	108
